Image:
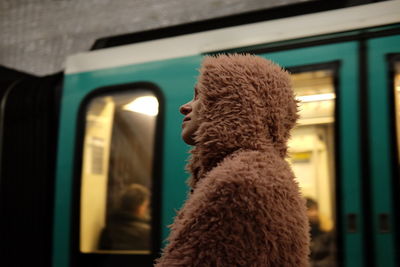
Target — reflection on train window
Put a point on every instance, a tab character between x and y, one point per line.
397	103
311	150
115	207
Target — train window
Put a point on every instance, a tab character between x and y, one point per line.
116	176
397	103
312	156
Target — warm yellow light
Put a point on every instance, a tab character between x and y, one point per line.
145	104
318	97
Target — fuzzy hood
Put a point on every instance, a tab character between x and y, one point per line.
246	103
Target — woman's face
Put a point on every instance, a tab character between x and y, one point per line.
190	122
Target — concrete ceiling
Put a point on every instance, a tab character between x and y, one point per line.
37	35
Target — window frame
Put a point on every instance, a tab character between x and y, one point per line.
333	66
392	59
118	259
383	189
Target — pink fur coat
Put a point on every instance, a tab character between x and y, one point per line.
245	208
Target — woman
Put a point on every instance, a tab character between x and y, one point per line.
245	208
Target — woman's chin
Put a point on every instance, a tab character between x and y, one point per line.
187	139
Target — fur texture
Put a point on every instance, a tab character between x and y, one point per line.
245	209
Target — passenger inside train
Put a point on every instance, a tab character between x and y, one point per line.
129	228
322	242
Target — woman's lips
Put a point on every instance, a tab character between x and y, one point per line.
185	120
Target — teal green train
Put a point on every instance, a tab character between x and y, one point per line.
79	147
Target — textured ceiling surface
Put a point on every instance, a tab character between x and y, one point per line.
36	36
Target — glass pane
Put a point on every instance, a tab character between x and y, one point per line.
115	214
397	104
312	157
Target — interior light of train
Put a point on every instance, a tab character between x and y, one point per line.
317	97
147	105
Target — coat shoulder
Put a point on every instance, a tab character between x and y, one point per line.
255	177
238	205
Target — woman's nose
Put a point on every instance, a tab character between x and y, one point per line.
185	109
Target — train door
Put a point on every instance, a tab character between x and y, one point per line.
325	148
383	78
111	208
